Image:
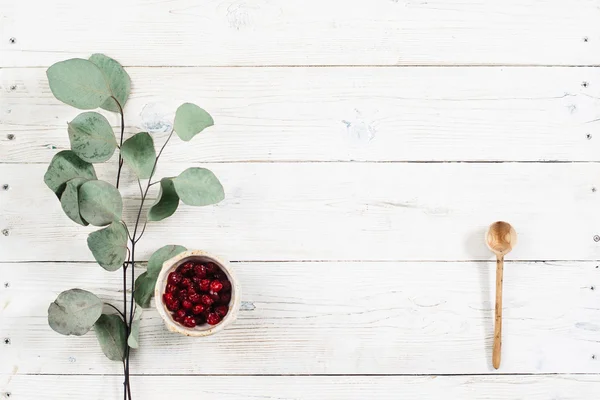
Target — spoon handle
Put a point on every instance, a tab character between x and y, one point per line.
498	319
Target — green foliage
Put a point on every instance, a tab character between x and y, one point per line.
100	203
139	153
74	312
199	187
112	336
166	203
145	283
78	83
109	246
191	120
102	82
69	200
92	137
65	166
134	335
118	81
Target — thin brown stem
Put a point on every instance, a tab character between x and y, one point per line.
116	309
121	141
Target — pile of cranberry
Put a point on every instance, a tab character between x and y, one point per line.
197	292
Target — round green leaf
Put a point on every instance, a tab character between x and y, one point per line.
92	138
112	336
109	246
118	80
78	83
100	203
198	187
70	200
161	255
133	340
191	120
65	166
144	289
138	152
74	312
166	203
145	283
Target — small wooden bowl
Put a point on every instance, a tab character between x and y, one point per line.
205	329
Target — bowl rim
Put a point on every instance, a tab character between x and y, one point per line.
171	264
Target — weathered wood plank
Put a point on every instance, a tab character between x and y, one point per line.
330	318
330	114
564	387
335	211
309	32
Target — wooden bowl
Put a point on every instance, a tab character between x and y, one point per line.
205	329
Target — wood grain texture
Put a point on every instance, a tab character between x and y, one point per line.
331	114
334	211
330	318
308	32
564	387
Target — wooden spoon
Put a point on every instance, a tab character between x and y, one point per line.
500	238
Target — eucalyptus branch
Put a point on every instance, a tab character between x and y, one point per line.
101	82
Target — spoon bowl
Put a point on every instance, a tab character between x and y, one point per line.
500	238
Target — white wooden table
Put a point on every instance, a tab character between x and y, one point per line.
364	147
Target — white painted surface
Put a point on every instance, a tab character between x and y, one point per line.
304	32
332	114
341	139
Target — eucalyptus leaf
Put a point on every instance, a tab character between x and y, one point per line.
191	120
139	153
165	253
70	200
166	203
198	187
78	83
144	289
66	165
146	282
133	340
74	312
92	138
118	81
100	203
109	246
112	336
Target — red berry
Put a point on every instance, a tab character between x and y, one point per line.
182	294
216	286
195	298
213	319
186	304
186	282
219	276
200	271
225	297
174	305
215	296
198	309
170	288
174	278
204	285
221	311
189	321
168	297
180	314
186	268
211	268
226	285
206	300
